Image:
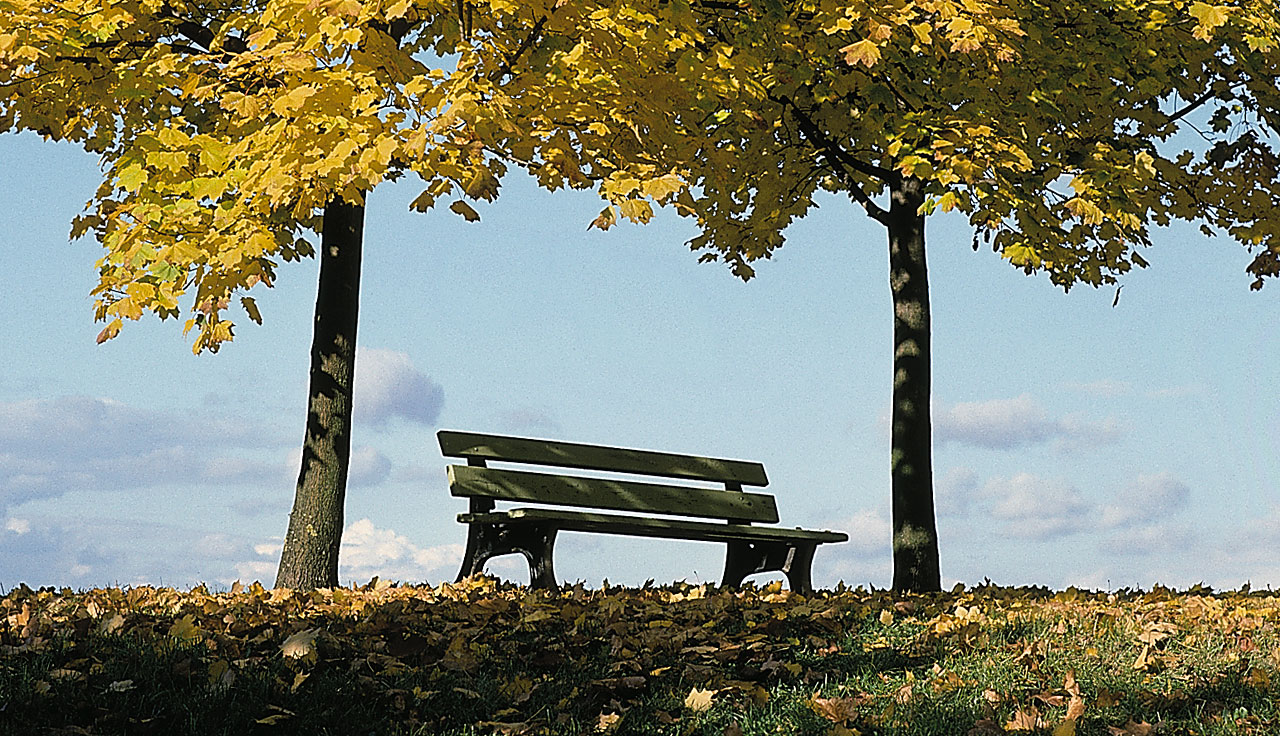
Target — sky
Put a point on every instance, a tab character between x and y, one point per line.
1075	443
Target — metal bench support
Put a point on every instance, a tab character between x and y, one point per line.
793	559
535	541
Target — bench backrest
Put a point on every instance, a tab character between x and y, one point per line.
478	482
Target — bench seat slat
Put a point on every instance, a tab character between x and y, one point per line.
650	527
618	495
594	457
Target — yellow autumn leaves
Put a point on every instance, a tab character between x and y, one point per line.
224	130
990	660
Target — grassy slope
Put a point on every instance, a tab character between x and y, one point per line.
483	657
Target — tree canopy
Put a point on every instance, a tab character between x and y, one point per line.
1065	131
226	126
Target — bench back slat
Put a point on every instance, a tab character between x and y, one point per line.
471	445
619	495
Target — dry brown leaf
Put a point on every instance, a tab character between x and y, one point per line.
985	727
1025	720
301	645
1075	708
1107	698
699	700
1132	728
836	710
111	624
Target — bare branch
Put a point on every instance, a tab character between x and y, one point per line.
841	162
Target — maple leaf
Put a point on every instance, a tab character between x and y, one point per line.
699	700
864	52
605	220
608	722
836	710
1024	720
464	209
185	629
1132	728
301	645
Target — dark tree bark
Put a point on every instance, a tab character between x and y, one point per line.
310	556
915	534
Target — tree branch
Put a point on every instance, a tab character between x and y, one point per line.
509	64
1194	105
841	162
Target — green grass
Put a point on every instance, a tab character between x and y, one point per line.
486	658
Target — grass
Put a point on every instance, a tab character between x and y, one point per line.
485	658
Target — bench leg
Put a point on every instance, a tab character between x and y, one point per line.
793	560
535	541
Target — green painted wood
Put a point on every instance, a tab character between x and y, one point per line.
599	493
578	521
597	457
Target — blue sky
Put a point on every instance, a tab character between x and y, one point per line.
1075	443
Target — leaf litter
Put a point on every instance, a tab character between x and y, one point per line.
483	656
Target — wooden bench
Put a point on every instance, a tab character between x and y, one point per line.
532	531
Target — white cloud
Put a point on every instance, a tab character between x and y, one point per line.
17	526
269	549
388	385
999	423
869	532
259	571
955	492
368	467
368	551
1166	539
1146	499
1038	508
1002	424
54	446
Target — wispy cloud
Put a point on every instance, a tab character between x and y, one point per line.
389	386
955	492
53	446
1030	506
1147	499
91	552
1038	508
869	532
1005	424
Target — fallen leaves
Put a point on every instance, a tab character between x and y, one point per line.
838	710
694	656
301	645
699	700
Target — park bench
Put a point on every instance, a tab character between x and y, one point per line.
649	506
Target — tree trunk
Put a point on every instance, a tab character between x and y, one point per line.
915	535
310	556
